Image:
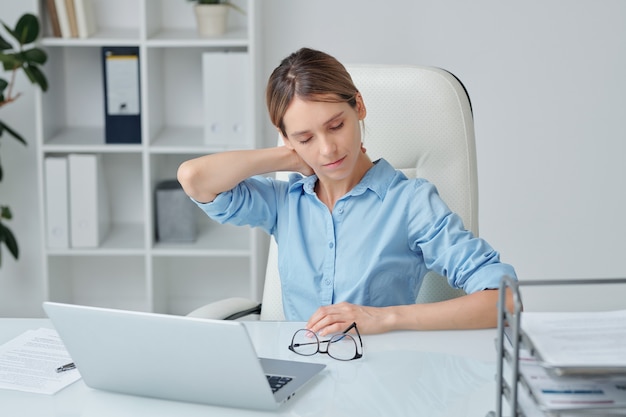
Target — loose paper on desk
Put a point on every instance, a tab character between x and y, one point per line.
29	362
568	339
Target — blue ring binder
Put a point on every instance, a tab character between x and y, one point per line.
122	98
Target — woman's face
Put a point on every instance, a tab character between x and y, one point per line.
326	135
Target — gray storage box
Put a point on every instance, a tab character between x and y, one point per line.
175	213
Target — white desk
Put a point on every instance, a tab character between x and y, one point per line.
434	374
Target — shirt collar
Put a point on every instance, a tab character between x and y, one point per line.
377	178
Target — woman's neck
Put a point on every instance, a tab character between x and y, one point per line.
329	192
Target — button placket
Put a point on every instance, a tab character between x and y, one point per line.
326	290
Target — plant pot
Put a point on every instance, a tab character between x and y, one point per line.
211	19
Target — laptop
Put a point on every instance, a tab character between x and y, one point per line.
174	357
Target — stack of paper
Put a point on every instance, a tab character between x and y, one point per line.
579	343
573	361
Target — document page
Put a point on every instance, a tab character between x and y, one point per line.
589	339
573	393
570	409
541	391
30	361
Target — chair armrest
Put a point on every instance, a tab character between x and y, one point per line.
227	309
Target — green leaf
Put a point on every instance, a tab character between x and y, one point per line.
35	55
11	31
11	61
4	45
36	76
29	73
27	29
7	236
5	213
3	85
4	127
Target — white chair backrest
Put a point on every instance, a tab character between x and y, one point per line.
420	120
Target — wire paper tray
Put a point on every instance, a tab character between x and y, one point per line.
517	356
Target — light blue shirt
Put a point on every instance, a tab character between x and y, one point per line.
373	249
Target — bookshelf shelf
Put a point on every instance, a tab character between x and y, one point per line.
123	239
188	38
108	36
84	139
130	268
179	139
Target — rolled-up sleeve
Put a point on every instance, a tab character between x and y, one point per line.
252	202
468	262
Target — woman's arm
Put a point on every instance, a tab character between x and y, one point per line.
473	311
205	177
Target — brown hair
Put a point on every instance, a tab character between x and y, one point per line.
310	75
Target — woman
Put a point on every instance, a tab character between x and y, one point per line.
355	237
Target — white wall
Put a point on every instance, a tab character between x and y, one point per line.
21	286
547	83
548	86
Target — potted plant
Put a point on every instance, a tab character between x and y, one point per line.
19	54
211	16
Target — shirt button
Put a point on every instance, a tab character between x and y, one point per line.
340	211
327	282
331	245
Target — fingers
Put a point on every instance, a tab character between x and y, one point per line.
332	318
300	165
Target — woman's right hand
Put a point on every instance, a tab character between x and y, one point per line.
301	166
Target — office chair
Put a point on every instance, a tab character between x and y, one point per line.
420	120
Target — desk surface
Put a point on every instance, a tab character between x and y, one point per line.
435	374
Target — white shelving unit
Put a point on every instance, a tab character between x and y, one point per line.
131	269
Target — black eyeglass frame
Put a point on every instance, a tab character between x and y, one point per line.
335	338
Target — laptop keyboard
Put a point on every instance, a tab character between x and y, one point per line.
277	382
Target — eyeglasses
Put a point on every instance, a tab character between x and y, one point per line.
341	346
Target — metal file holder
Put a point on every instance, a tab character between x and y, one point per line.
518	339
